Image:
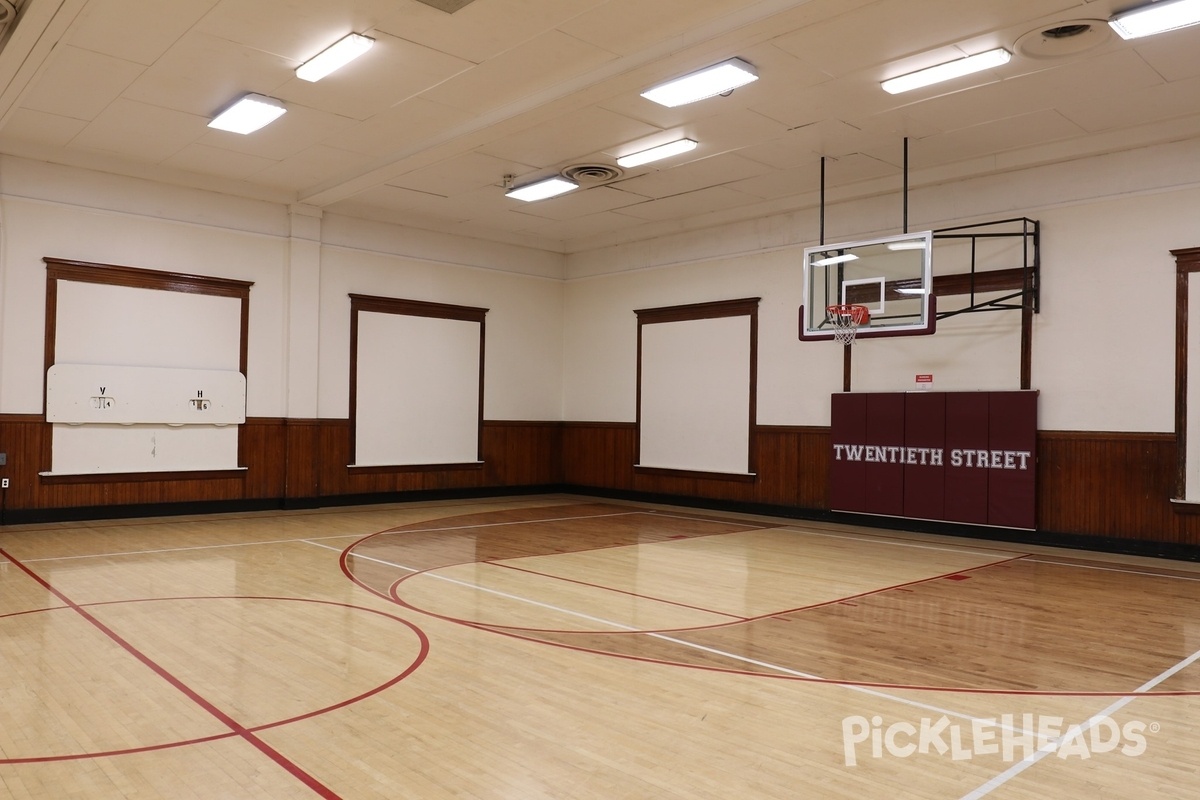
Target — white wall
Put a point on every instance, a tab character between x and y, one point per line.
561	332
80	215
1100	360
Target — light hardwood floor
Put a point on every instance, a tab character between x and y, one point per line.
563	647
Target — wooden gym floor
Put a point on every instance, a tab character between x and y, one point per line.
560	647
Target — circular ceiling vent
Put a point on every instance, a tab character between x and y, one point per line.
1065	38
592	173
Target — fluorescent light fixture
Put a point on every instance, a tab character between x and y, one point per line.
910	291
248	114
824	262
657	153
1166	15
334	57
710	81
911	244
540	190
944	72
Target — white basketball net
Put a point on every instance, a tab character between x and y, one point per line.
845	321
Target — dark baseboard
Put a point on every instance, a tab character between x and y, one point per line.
1074	541
1105	544
26	516
81	513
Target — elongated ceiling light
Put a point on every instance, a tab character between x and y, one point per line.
1159	17
944	72
657	153
334	57
540	190
842	259
710	81
248	114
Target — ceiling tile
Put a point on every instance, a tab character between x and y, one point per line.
135	30
1092	78
1164	101
695	175
626	26
136	130
997	137
205	160
461	174
537	65
568	138
691	204
79	83
581	202
401	126
310	167
482	30
1167	58
203	74
38	126
293	29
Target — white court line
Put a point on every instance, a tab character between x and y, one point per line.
1033	758
1113	569
317	538
663	637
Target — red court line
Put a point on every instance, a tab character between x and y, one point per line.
290	766
613	589
394	596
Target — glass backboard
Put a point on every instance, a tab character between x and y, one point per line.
891	277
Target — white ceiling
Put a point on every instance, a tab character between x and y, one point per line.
423	130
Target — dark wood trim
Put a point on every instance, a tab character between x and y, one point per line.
522	423
1187	261
22	417
666	472
139	278
713	310
411	308
143	477
745	306
599	424
1107	436
819	429
388	469
416	308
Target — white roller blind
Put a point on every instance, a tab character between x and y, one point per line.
695	395
417	391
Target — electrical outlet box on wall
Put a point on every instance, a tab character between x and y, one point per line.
101	394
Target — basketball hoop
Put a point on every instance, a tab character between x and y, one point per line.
845	319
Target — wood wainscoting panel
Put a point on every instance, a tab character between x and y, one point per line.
1109	484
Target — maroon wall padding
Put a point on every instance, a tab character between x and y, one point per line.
848	414
924	431
954	456
1012	430
966	436
883	492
